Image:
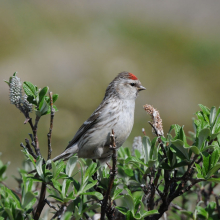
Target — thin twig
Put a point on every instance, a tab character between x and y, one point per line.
113	172
31	124
51	206
60	212
31	152
41	202
176	206
37	149
51	125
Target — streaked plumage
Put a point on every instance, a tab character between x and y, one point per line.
116	112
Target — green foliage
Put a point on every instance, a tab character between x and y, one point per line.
14	207
39	98
80	185
207	213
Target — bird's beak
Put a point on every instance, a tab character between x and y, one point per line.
141	88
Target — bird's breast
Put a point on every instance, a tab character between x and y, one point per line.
125	122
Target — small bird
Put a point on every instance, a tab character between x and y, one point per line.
116	112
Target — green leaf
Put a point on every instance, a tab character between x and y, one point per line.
199	170
152	212
127	151
181	164
121	152
128	171
212	116
71	196
206	163
202	211
7	82
182	136
177	130
42	93
92	207
89	186
29	200
180	146
89	172
55	108
137	153
116	193
135	160
55	97
214	158
59	168
39	167
154	149
57	198
96	194
214	180
29	89
147	146
10	214
195	150
129	215
203	135
67	215
205	109
57	185
171	128
12	195
54	169
43	107
213	136
213	170
65	187
32	100
129	202
29	156
215	128
121	209
3	169
71	163
151	163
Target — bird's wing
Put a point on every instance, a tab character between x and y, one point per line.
87	124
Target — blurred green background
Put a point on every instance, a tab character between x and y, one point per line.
77	47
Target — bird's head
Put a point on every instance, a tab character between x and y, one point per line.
126	86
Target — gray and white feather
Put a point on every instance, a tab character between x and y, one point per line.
116	112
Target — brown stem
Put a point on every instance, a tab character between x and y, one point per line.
153	184
41	202
51	126
113	172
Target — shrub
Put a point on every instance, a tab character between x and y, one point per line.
145	184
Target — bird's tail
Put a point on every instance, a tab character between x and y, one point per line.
67	153
64	156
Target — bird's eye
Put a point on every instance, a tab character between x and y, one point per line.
132	84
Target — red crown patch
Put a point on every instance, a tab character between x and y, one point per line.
132	76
